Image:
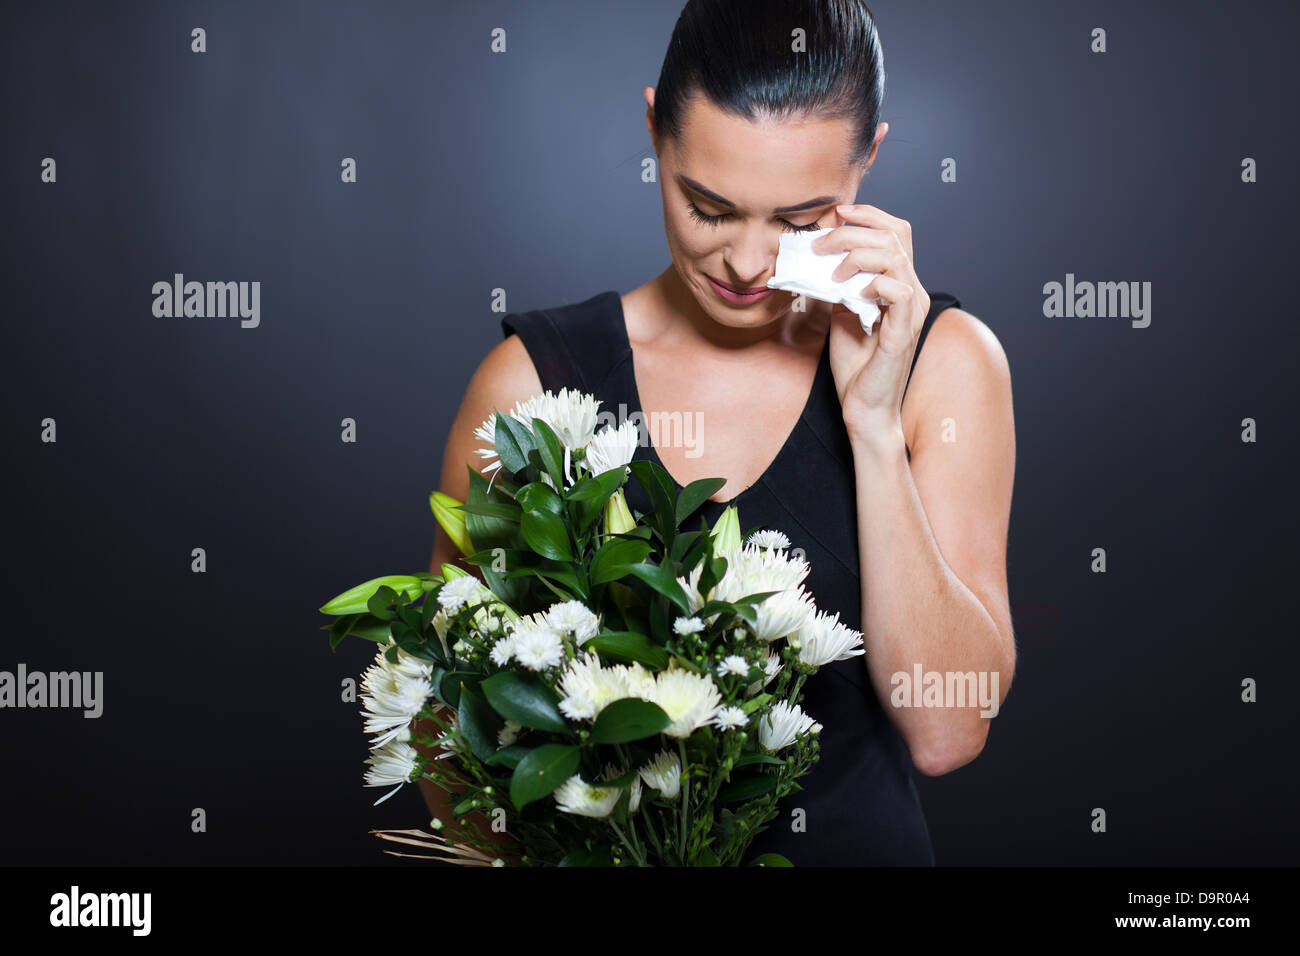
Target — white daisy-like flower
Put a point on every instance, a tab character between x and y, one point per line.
584	799
768	538
613	447
663	773
458	592
393	763
782	614
393	692
779	728
733	665
730	718
502	651
537	648
571	414
508	734
575	619
824	639
771	667
634	788
688	625
751	569
690	700
587	688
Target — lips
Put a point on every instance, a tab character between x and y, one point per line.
739	291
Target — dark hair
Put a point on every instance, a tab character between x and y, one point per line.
739	54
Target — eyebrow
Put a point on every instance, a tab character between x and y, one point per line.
721	201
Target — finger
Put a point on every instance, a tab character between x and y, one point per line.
850	236
868	215
864	259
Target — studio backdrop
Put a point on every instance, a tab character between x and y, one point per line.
380	184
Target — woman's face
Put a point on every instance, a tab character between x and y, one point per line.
728	187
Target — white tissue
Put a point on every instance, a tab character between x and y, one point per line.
804	272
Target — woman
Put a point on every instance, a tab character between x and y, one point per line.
898	496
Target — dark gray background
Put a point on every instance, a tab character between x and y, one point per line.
522	171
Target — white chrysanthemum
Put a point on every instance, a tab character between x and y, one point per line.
690	700
778	729
571	415
393	763
393	692
729	718
733	665
751	569
663	773
586	687
508	734
768	538
487	432
537	648
584	799
613	447
634	788
825	639
771	667
502	651
782	614
575	619
688	625
458	592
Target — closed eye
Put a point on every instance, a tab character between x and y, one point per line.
704	218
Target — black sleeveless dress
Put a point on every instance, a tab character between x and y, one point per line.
859	800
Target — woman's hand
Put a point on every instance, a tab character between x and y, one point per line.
871	371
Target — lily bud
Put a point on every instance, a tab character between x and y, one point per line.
618	519
452	519
354	600
726	532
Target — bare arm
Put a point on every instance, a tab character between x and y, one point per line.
505	376
933	539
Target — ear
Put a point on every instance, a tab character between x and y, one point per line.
881	130
650	114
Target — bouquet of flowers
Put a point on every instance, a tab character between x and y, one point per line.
615	689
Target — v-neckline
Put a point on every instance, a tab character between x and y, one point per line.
823	365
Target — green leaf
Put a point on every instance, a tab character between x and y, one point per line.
659	486
547	535
629	646
365	626
614	556
770	859
581	856
539	496
551	451
541	771
662	580
748	788
694	495
478	722
509	756
525	701
450	687
513	442
487	531
627	720
759	758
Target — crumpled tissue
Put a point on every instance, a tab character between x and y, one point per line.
804	272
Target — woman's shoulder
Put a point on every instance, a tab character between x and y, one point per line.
569	345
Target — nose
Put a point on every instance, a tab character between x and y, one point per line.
751	256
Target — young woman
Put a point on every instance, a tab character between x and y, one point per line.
890	466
